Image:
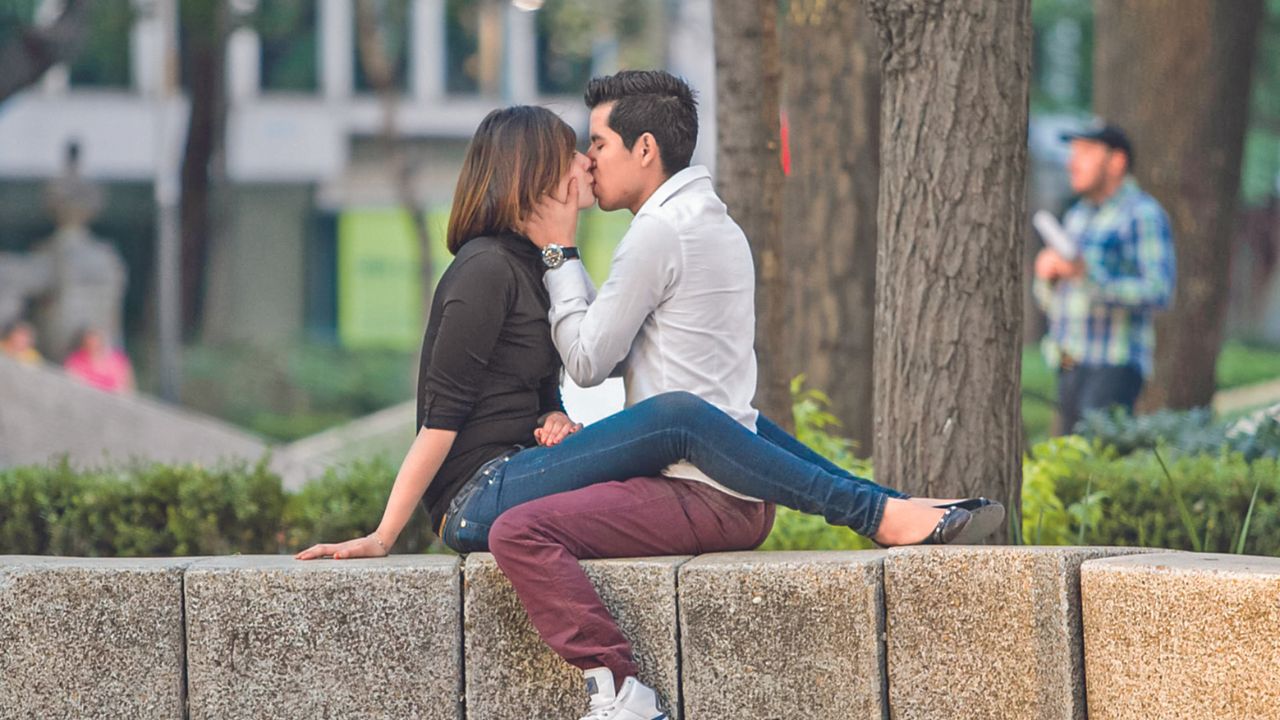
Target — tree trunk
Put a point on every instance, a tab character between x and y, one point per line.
750	173
204	29
831	96
949	290
1175	74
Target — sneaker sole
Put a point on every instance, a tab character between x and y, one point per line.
985	521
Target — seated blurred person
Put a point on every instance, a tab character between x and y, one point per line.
96	363
18	341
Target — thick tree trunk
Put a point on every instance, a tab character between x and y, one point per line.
1175	74
949	290
831	96
750	173
204	28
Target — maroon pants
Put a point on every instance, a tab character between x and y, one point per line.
538	545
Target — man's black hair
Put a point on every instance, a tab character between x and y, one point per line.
650	101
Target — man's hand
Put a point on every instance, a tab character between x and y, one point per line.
1052	266
555	427
554	219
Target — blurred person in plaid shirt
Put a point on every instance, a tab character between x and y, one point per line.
1101	302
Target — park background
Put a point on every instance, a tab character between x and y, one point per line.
300	157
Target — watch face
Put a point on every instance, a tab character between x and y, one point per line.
553	256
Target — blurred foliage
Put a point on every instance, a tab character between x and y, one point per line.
103	61
286	394
289	34
141	510
348	502
148	510
1182	432
572	32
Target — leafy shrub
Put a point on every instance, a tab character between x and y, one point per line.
141	510
1185	432
286	394
348	502
1186	502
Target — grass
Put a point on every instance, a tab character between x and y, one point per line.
1239	364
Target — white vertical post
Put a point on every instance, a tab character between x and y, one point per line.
337	48
427	45
520	62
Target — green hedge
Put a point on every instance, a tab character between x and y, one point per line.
177	510
1081	492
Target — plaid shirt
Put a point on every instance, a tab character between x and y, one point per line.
1105	317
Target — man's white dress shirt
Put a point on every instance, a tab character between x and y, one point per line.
677	311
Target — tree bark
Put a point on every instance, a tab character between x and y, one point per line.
949	290
1175	74
748	69
831	97
205	27
37	49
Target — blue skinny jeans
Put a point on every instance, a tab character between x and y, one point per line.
644	439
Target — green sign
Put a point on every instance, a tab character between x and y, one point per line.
379	280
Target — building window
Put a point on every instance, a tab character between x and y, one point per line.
103	60
462	47
287	30
566	32
389	45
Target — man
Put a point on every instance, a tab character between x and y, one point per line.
1100	304
676	314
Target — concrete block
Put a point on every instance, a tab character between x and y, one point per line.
91	637
270	636
986	632
783	635
1182	635
512	674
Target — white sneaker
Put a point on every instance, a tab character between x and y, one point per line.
636	701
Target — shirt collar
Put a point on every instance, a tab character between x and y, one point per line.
1122	193
673	185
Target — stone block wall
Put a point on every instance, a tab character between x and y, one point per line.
974	632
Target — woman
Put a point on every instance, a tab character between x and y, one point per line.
490	414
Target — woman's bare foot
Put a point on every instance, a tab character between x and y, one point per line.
907	522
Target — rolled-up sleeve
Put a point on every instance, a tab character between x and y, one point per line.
594	336
472	314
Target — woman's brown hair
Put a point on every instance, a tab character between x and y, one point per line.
518	155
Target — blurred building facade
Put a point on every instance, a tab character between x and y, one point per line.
307	198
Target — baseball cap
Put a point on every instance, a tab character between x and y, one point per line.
1109	135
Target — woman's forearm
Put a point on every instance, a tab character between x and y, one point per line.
419	468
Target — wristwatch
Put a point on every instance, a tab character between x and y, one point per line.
553	256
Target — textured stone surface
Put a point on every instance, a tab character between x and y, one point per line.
84	637
512	674
986	632
782	635
1182	636
270	636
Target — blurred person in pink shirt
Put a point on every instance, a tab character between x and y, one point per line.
96	363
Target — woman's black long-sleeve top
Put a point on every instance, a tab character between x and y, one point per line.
489	369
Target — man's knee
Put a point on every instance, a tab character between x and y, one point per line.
514	529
